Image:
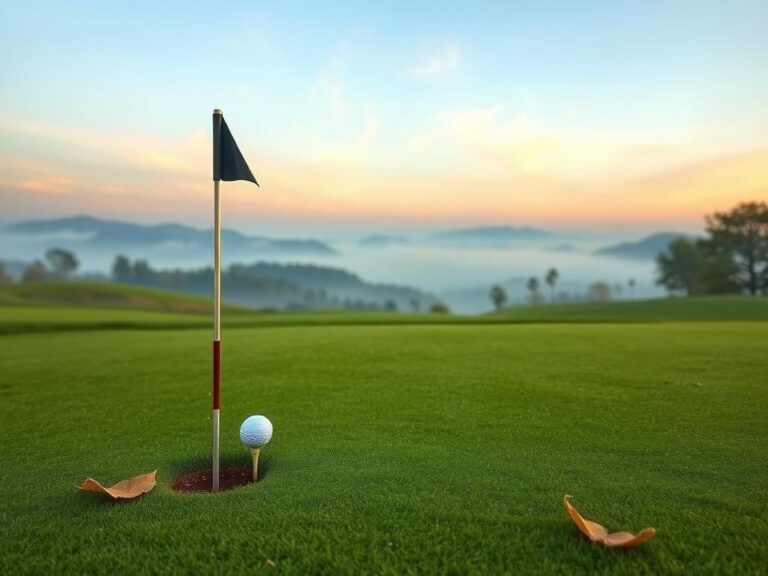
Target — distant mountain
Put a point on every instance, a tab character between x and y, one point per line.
383	240
646	249
493	236
115	235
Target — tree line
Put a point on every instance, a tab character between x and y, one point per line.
59	264
732	258
295	287
283	288
599	291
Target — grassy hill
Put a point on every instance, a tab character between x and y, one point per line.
106	295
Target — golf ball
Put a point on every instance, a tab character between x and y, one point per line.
255	431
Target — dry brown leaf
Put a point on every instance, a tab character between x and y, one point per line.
598	533
125	489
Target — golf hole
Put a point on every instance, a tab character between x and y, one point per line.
229	479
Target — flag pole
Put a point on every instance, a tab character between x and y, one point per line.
228	165
216	395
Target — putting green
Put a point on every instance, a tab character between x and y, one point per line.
397	449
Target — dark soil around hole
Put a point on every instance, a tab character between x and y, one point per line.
200	481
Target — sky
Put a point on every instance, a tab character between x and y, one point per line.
386	116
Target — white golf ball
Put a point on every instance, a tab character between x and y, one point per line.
255	431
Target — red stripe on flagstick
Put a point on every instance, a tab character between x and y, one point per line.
216	374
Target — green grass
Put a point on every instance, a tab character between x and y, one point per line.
81	306
698	308
23	319
397	449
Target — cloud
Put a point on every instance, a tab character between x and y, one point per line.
62	169
464	165
51	184
442	62
484	141
181	156
331	92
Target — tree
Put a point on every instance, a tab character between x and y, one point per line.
719	274
631	283
600	291
679	267
62	262
415	304
690	267
551	279
390	306
142	272
121	269
742	235
498	296
533	288
35	272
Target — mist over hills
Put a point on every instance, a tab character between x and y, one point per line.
383	240
177	257
492	236
458	265
90	233
116	235
645	249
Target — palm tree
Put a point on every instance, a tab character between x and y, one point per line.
533	288
551	279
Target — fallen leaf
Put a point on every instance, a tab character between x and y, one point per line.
125	489
597	533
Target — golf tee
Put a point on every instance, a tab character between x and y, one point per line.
255	457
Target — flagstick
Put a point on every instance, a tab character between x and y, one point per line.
234	167
216	309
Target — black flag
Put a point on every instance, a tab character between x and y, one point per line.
228	161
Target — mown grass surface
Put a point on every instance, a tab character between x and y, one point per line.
697	308
23	319
397	449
